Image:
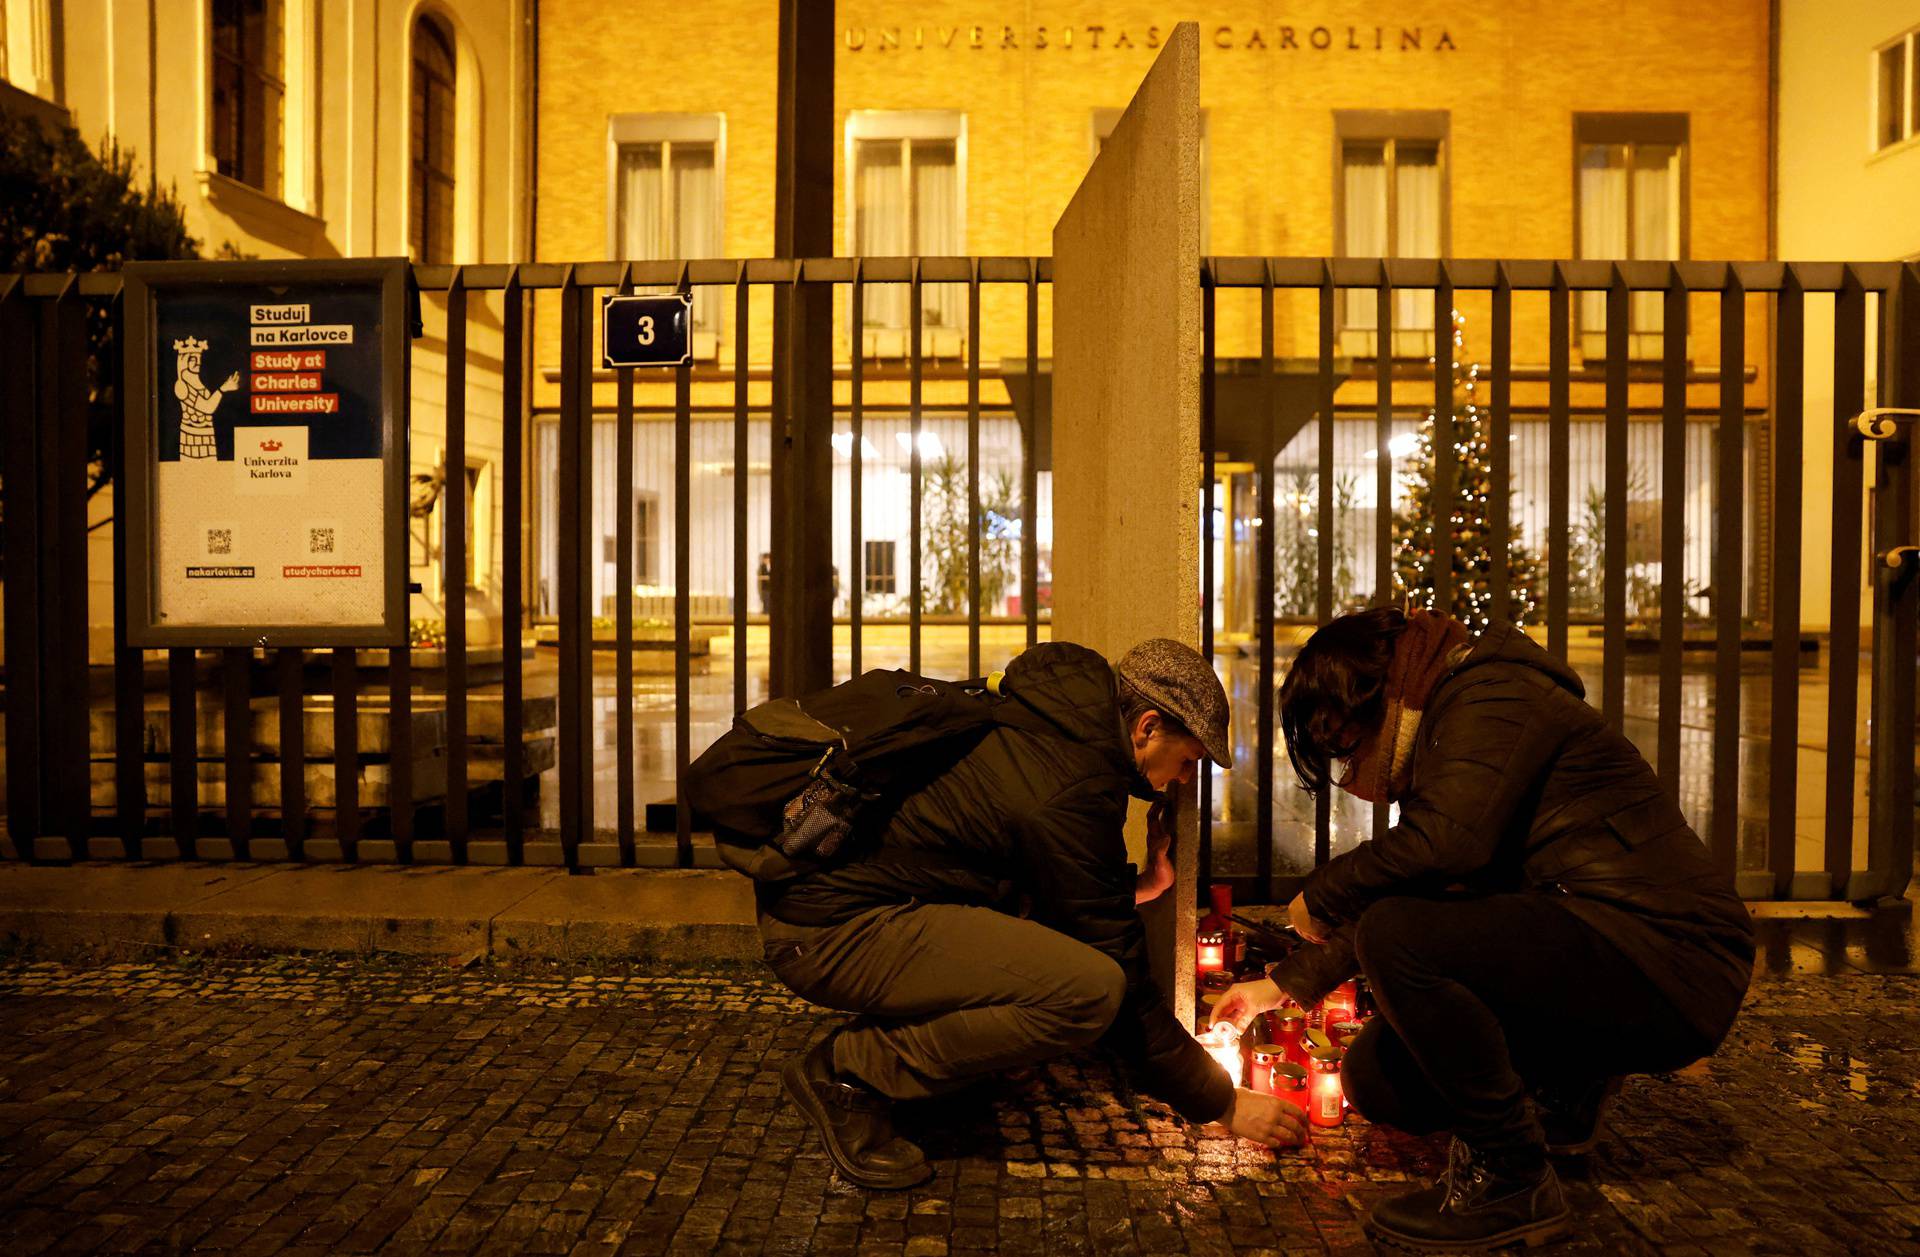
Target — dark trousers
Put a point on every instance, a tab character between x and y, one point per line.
943	993
1484	999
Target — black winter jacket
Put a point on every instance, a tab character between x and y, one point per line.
1518	784
1034	810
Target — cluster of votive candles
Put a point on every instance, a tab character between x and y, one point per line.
1291	1052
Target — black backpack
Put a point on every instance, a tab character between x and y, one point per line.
785	788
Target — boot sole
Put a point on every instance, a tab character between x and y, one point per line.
1531	1236
793	1078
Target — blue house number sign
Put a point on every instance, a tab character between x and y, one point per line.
646	331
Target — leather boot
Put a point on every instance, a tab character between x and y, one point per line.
1473	1207
855	1124
1574	1118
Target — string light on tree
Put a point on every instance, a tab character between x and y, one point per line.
1466	515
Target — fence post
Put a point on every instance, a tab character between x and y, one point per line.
1895	596
17	343
63	551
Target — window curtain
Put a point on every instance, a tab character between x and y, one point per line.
936	225
1416	179
880	224
1656	229
1364	187
696	220
640	232
1603	221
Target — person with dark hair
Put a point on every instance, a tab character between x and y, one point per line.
991	920
1539	922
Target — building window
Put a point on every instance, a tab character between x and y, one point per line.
1391	197
877	571
1630	201
646	540
430	211
665	190
26	47
1896	112
907	173
249	88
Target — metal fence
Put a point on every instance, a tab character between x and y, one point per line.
1773	866
55	811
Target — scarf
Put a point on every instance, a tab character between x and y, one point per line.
1428	648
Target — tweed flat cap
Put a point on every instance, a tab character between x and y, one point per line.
1178	679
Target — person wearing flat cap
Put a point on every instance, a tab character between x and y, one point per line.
993	923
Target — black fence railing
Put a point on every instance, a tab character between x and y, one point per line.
191	781
354	756
1747	818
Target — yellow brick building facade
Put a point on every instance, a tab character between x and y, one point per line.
1503	94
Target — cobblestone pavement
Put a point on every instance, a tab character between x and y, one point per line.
318	1106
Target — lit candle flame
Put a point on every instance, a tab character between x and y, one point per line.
1222	1043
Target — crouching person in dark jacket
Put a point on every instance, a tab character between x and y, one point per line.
915	931
1539	922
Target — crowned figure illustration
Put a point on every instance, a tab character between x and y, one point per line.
197	401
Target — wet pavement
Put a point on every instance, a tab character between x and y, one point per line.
316	1106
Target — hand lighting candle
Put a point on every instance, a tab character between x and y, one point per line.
1223	1045
1212	987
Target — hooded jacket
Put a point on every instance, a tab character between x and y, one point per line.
1518	784
1034	811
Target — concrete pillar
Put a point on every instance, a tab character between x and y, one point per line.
1126	417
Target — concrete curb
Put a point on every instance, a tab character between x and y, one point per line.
114	909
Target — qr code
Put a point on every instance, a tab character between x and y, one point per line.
319	541
219	541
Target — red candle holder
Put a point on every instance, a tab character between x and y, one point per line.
1289	1082
1341	1004
1266	1056
1210	951
1342	1033
1288	1028
1329	1104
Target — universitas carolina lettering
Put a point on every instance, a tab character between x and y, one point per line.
1098	38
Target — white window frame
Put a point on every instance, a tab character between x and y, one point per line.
1645	342
1909	112
26	46
666	130
906	125
1389	128
1105	119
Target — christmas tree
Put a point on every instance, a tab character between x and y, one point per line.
1466	517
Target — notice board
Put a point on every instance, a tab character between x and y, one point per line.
266	415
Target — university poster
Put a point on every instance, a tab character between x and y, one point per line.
269	431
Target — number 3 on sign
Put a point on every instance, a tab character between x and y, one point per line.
646	331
